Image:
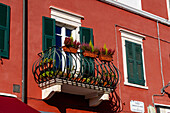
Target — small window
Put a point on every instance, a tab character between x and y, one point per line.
4	30
133	59
162	108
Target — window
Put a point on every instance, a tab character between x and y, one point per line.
132	3
4	30
63	24
133	59
161	108
54	33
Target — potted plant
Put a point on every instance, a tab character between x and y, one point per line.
70	45
89	50
105	54
46	75
46	63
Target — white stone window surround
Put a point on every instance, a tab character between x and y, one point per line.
135	38
66	19
132	3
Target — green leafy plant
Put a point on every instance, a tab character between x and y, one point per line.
47	73
106	51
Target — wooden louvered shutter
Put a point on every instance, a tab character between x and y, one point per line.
4	30
134	63
48	33
86	34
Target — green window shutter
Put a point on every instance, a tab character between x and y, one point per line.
130	62
86	34
4	30
139	64
134	63
48	35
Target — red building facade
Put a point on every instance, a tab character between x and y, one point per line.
139	33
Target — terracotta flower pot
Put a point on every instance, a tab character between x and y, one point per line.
89	54
70	49
105	58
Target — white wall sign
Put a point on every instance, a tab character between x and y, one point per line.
137	106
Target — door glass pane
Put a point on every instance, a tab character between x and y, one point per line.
2	35
68	58
68	32
58	55
57	30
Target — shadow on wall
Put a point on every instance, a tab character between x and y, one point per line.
64	101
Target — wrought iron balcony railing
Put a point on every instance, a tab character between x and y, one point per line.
55	65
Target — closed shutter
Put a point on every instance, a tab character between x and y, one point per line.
134	63
86	34
4	30
139	64
48	33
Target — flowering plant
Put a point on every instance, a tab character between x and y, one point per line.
70	43
105	51
96	50
85	47
110	52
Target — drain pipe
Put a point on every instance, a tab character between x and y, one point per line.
160	54
117	49
163	83
24	52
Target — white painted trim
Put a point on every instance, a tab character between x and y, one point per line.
135	85
70	13
50	91
137	11
130	35
135	38
168	8
133	3
8	95
66	18
97	100
162	105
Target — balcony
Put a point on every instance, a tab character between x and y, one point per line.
57	71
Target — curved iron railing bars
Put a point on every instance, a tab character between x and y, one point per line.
55	63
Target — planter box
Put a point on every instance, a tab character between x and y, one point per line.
105	58
70	49
89	54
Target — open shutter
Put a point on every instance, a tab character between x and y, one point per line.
48	32
139	64
86	34
4	30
